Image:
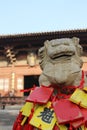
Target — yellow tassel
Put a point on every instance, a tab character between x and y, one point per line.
24	120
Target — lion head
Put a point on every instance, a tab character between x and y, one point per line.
58	49
60	60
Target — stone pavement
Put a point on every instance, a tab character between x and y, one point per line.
5	127
8	115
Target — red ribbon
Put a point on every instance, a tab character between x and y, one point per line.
27	90
17	123
27	127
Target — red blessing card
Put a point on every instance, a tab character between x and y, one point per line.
84	112
66	111
78	123
40	95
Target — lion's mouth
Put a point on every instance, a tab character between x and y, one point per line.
62	55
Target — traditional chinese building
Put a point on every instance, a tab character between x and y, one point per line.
19	68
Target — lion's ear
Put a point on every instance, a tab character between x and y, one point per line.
46	43
79	50
78	46
76	40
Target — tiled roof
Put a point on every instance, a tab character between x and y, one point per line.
42	33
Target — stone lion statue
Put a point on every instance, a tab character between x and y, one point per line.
62	74
61	63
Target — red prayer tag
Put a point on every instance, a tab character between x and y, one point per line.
78	123
66	111
84	112
40	95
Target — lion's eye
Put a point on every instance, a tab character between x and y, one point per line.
66	43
